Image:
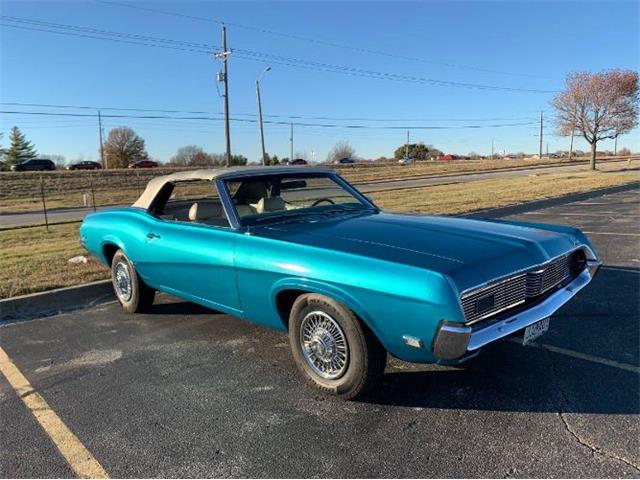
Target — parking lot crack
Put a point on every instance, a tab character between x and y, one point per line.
595	450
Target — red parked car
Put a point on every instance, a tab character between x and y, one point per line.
144	164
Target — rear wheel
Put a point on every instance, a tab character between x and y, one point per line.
333	349
132	293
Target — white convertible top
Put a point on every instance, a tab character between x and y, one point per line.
156	184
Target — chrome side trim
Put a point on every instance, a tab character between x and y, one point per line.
546	308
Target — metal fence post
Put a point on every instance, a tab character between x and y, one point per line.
93	193
44	204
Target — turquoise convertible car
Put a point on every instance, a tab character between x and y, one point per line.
300	250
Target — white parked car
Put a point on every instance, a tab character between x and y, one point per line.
405	161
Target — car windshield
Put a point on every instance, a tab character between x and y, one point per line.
271	197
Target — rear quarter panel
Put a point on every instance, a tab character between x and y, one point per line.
125	228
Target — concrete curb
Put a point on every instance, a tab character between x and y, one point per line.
52	302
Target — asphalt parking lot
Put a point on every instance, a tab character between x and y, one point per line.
186	392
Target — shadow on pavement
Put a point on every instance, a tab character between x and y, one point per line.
181	308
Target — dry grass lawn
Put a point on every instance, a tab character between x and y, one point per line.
33	260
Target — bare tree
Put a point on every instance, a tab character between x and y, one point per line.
191	155
341	150
124	146
598	106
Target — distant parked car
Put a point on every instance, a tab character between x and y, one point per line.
344	161
144	164
298	161
34	164
85	165
405	161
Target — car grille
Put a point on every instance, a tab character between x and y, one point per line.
511	292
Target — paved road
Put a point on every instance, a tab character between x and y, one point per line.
76	214
183	391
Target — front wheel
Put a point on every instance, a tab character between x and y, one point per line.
132	293
333	349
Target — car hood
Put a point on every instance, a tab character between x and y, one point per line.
471	252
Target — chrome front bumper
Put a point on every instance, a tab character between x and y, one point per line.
454	340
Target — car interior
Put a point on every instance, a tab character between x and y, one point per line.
183	204
197	201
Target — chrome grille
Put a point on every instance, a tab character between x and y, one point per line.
515	290
506	294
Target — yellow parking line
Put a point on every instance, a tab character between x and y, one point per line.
77	456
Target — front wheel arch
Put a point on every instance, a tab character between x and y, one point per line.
285	293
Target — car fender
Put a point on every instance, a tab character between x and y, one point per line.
329	290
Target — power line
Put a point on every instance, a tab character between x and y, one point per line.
300	117
263	57
317	41
278	122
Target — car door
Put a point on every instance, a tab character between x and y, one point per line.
192	258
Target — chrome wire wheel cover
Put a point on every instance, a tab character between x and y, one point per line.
324	345
122	282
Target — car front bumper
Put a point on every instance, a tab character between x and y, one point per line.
454	340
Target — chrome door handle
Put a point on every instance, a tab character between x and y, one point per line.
152	235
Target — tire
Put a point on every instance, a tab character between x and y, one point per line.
332	331
132	293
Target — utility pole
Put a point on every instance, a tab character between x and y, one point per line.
291	142
547	150
101	142
571	144
406	146
615	146
540	149
264	153
492	149
224	77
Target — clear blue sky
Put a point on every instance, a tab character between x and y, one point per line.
521	45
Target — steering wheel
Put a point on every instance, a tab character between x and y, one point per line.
320	200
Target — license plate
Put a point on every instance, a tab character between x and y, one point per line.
534	331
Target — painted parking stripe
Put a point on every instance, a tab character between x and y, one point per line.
583	356
83	464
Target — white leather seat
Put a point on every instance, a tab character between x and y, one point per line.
202	211
270	204
245	210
